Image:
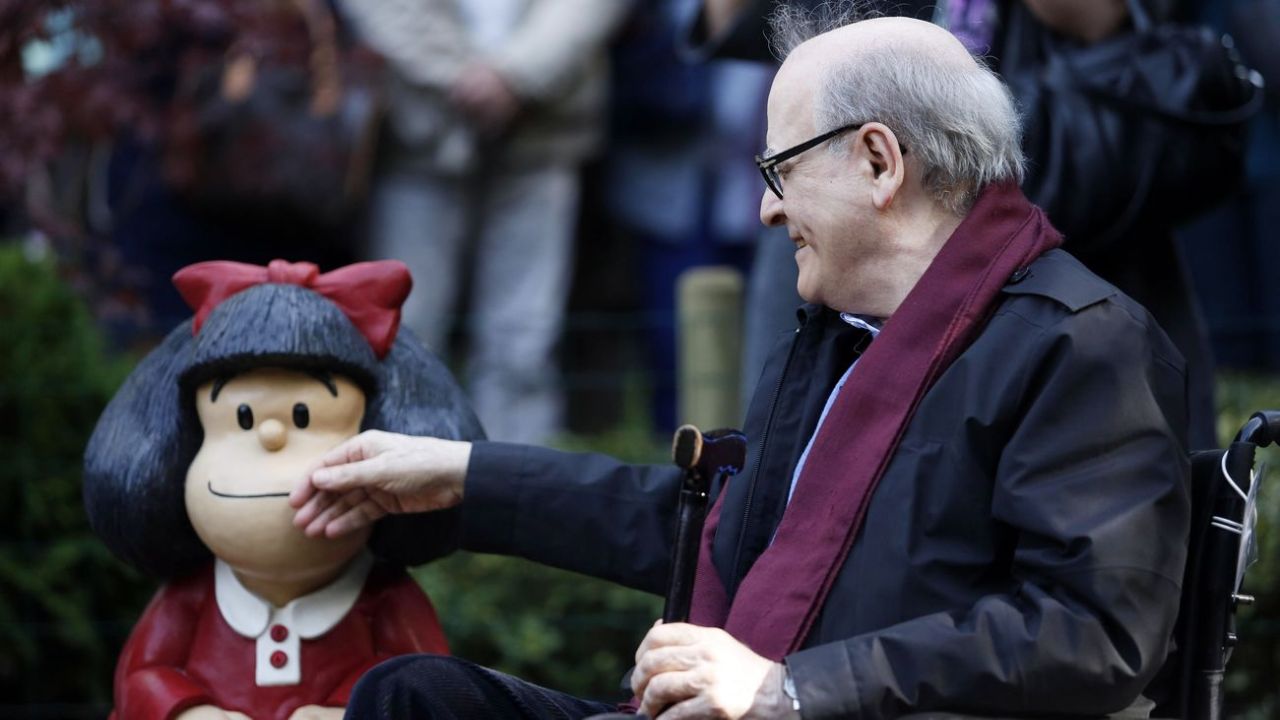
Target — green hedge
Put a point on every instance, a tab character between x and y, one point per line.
65	603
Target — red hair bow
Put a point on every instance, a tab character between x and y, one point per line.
368	293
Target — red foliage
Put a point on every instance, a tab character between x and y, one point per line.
133	66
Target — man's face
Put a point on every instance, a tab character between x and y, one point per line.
262	430
826	207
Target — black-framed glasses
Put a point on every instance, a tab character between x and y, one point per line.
769	165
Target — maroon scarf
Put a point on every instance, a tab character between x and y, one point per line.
783	592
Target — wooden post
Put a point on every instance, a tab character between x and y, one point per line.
709	308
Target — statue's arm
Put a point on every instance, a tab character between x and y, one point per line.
151	682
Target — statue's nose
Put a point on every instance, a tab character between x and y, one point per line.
272	435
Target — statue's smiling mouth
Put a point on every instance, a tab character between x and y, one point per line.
246	497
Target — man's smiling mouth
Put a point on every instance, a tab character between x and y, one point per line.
244	497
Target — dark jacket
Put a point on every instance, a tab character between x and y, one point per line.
1023	552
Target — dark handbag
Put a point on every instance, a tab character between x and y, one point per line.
1142	130
1255	24
281	142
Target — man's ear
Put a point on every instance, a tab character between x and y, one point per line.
879	148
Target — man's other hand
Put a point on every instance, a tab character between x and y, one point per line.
687	671
377	473
485	97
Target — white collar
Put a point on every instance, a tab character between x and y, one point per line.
866	322
312	615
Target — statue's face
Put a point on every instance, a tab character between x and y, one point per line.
263	430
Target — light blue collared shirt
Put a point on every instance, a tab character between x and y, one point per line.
857	322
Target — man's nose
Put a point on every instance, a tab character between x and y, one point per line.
272	435
771	209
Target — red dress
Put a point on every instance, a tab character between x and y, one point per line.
183	653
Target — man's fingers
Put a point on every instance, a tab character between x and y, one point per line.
346	514
316	504
361	447
661	660
319	526
303	491
363	514
665	634
668	689
402	473
341	478
349	450
334	469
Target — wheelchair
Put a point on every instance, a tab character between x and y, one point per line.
1224	491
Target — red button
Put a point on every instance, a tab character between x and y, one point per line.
279	633
278	659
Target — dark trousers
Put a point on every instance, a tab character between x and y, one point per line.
438	686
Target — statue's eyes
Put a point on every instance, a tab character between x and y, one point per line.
244	415
301	415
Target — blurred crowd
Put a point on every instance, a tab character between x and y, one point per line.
546	168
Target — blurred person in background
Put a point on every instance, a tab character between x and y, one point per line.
492	109
1237	279
680	184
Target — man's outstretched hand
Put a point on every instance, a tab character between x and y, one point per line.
378	473
687	671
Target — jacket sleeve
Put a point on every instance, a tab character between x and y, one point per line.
556	39
1092	486
582	512
150	683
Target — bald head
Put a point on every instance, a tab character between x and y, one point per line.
914	77
892	35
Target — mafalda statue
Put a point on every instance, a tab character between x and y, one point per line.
188	472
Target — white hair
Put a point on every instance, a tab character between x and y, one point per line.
960	122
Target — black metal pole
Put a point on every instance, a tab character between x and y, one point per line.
691	513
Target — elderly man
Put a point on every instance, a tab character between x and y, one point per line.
966	489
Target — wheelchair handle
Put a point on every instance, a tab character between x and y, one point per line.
1262	429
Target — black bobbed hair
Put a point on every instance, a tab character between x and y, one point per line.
137	458
279	325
